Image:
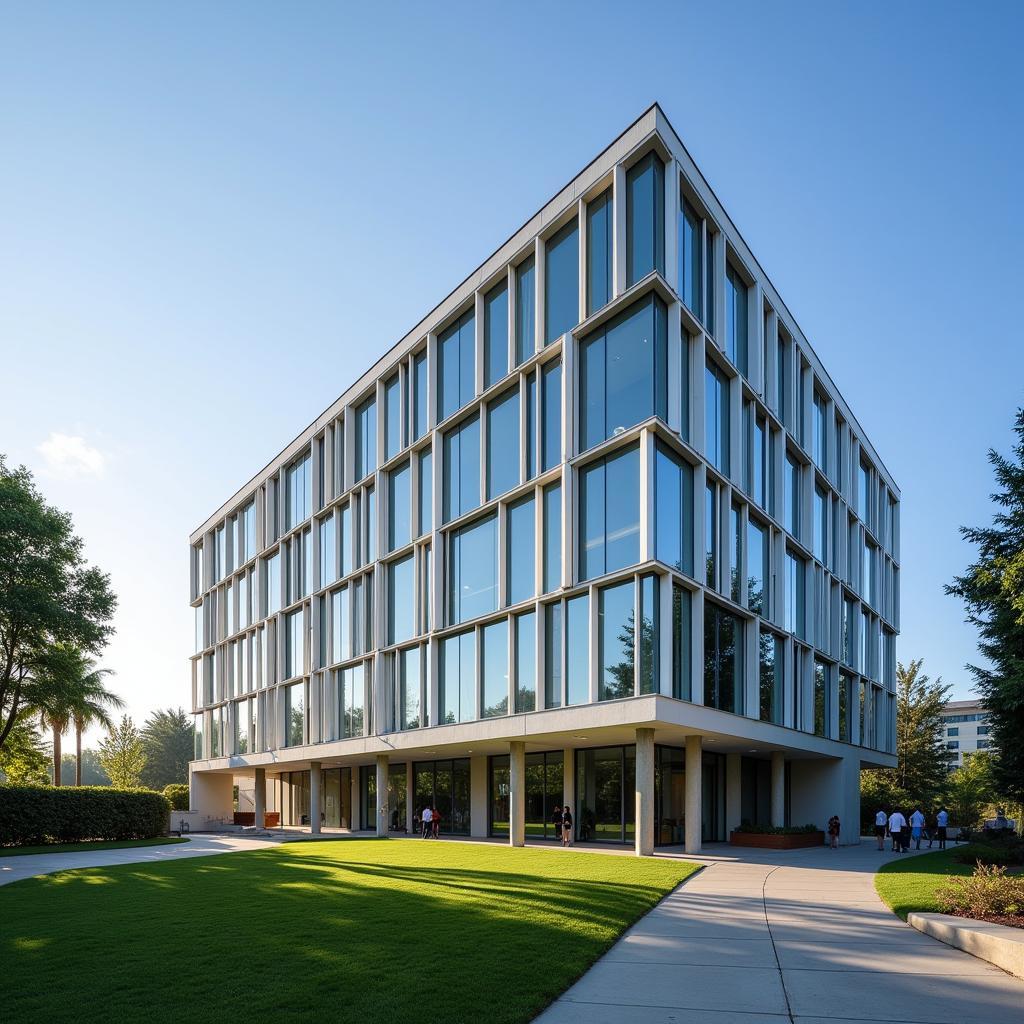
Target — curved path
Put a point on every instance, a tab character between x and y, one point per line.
772	937
15	868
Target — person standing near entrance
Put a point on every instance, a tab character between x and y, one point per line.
881	820
566	826
426	816
897	823
941	824
556	820
916	827
435	821
833	831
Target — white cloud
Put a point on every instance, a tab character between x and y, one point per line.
69	457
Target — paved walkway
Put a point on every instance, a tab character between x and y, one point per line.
14	868
781	937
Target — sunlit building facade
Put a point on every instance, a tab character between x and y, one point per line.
599	531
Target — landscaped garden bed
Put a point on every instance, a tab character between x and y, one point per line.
769	837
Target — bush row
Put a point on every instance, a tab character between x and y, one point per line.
177	793
31	815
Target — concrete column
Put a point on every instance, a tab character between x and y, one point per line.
211	793
733	791
260	798
644	820
517	794
315	800
409	798
694	751
382	796
478	795
778	788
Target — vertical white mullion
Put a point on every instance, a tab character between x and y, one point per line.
478	341
594	688
619	230
646	495
539	325
672	174
674	369
581	234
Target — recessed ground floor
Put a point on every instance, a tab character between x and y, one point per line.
643	785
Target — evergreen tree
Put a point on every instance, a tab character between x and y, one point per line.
23	759
168	742
122	756
992	590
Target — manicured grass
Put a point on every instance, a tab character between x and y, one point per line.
120	844
350	930
908	884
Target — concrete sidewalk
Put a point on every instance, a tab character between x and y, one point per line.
12	869
779	937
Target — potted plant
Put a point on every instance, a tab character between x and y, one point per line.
777	837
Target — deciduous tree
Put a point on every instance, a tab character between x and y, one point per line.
169	744
122	756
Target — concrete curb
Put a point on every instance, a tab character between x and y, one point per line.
996	943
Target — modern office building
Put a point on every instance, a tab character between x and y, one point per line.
965	728
599	530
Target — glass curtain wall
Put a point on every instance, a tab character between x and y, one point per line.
444	786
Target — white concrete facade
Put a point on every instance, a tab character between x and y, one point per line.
965	730
600	531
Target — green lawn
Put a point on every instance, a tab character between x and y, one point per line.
908	884
350	930
120	844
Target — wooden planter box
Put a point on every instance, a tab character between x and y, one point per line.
795	841
271	819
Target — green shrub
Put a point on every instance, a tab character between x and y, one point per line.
988	891
34	815
177	793
776	830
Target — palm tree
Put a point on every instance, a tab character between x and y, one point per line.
90	702
69	689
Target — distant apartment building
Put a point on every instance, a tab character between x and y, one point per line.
599	531
965	728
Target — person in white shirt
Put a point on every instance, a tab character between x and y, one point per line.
916	827
427	815
941	823
881	820
897	823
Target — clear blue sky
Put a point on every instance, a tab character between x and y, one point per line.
214	216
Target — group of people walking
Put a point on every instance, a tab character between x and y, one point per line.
561	818
903	830
429	823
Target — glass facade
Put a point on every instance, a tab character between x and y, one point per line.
583	547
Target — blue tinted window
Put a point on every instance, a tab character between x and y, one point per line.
623	375
552	537
366	439
419	384
716	419
645	218
526	305
562	282
691	263
521	528
503	443
461	491
551	422
531	426
473	570
610	513
526	661
723	660
399	507
599	252
458	678
577	634
495	335
736	319
393	417
494	686
456	355
401	588
615	642
673	491
553	655
425	513
298	502
791	497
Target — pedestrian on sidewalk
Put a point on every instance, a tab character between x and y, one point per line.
833	832
916	827
897	823
941	824
426	822
566	826
435	822
556	821
881	820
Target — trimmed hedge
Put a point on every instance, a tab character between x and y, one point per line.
34	815
177	793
